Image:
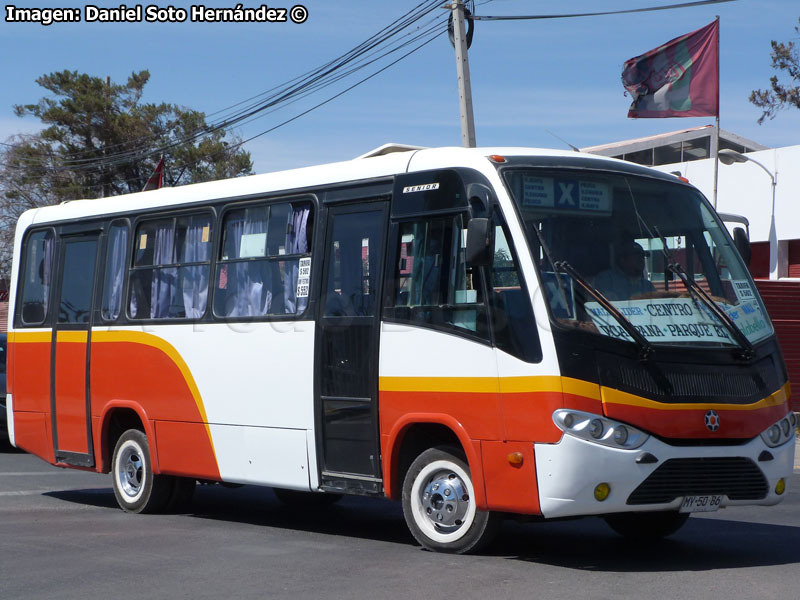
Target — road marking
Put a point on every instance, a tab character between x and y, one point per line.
42	492
35	473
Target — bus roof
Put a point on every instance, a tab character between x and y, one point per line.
372	165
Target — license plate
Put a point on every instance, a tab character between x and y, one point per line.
708	503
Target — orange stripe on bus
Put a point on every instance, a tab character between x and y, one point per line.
137	338
147	339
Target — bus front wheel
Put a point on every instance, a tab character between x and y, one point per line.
647	525
439	503
136	487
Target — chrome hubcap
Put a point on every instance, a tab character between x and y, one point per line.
445	500
130	471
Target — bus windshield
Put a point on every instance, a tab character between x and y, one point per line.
653	250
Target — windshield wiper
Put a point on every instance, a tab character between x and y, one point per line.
645	347
748	352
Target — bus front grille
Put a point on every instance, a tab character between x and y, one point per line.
736	477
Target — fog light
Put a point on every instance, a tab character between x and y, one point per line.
780	487
602	491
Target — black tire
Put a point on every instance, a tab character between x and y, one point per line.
647	525
181	494
136	487
304	500
439	505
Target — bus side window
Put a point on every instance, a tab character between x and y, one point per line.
171	268
37	278
116	251
512	316
433	283
258	270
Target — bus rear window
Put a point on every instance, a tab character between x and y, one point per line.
37	278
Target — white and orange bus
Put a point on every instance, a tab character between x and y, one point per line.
474	332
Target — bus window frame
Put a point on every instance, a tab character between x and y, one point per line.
46	322
103	260
130	267
313	252
496	210
390	280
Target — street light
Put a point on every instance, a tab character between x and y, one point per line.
728	157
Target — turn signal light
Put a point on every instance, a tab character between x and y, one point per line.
515	458
780	487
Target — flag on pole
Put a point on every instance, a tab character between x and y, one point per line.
157	178
678	79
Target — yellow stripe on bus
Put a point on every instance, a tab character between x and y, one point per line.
567	385
491	385
29	337
612	396
72	336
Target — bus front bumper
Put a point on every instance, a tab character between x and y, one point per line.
569	472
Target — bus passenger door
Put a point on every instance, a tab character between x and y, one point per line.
346	368
69	392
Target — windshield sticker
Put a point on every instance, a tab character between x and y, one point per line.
303	277
566	194
744	291
676	320
748	318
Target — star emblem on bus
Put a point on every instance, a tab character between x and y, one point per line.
712	421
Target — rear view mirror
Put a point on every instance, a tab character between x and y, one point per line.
742	243
480	243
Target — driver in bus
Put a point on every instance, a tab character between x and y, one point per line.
627	278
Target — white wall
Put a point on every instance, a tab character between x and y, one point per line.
745	189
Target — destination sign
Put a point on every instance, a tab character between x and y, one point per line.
678	320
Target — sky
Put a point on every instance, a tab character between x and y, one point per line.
531	80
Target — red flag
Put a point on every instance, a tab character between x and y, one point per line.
156	179
678	79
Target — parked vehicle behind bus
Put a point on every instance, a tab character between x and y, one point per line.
473	332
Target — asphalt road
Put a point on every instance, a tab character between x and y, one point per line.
62	537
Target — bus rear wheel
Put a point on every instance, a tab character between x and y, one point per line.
136	487
647	525
439	504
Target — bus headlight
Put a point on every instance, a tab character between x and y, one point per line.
621	435
599	430
596	428
779	433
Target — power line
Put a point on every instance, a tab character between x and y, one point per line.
424	34
597	14
283	94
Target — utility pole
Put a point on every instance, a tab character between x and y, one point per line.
105	191
462	65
